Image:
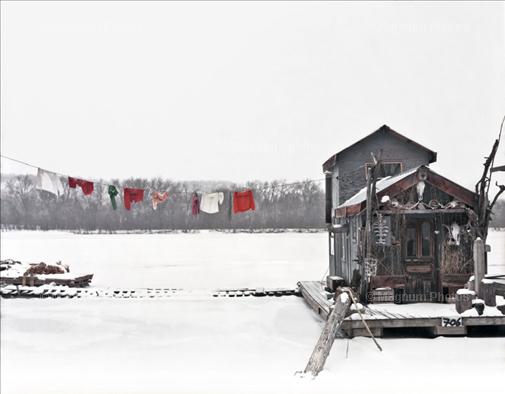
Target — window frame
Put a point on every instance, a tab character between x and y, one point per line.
369	164
417	225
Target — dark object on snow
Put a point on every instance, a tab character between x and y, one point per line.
479	306
6	264
46	269
333	282
488	292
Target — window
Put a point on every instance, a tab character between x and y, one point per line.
387	168
411	242
419	239
328	199
426	239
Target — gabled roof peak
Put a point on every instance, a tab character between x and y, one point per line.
330	163
394	185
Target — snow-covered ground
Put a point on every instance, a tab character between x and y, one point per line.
211	345
199	260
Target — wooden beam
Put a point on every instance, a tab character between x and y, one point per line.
459	192
325	342
403	211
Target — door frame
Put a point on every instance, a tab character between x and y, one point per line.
420	268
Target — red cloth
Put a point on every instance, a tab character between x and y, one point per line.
243	201
86	186
195	204
132	195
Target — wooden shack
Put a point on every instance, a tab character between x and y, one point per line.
421	225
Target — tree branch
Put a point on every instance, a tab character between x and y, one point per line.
502	189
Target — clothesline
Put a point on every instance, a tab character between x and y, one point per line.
237	201
106	184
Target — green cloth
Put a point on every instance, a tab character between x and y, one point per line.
113	192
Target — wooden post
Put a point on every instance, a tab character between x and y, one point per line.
479	261
368	239
325	342
488	292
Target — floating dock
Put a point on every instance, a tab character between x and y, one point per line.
59	291
439	319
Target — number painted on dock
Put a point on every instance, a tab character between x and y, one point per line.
452	322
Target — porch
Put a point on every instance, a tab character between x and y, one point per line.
436	318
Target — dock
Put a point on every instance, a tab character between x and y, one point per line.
64	291
439	319
40	280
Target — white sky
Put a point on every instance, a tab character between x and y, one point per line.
242	91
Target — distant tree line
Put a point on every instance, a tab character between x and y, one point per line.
278	205
498	215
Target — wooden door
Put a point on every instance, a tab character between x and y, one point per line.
419	261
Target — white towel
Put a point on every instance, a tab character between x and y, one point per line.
210	202
49	181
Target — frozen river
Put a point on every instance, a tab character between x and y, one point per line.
195	260
205	344
198	260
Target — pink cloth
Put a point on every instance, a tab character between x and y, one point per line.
158	198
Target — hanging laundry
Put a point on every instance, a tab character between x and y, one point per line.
49	181
210	202
195	204
132	195
86	186
243	201
113	192
157	198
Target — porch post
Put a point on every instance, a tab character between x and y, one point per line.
479	261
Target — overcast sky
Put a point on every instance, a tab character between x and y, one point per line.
246	90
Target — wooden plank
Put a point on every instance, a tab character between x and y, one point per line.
311	294
439	330
424	322
363	332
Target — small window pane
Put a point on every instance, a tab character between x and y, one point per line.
426	239
390	169
411	242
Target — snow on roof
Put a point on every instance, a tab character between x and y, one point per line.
381	184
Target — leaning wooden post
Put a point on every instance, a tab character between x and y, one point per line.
479	262
325	342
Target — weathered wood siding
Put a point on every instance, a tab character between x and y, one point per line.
350	168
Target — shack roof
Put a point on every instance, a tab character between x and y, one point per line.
329	164
380	185
394	185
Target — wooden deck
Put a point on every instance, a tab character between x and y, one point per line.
22	291
34	280
391	316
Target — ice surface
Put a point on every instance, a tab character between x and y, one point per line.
205	344
201	260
